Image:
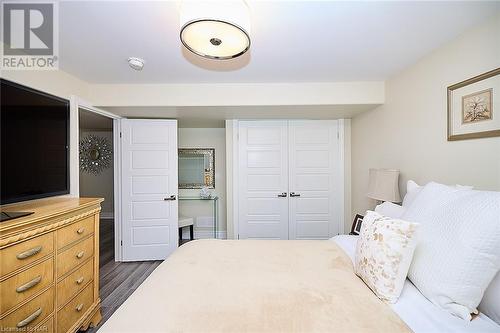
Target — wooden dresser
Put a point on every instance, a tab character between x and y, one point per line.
49	266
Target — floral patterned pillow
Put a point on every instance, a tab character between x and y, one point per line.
383	254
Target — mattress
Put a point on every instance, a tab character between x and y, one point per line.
255	286
418	312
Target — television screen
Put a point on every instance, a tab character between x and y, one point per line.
34	144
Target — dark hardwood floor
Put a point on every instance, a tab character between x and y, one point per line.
118	280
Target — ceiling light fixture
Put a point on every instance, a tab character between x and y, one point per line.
215	29
136	63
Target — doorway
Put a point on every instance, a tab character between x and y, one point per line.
96	174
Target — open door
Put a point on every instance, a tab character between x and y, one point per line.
148	188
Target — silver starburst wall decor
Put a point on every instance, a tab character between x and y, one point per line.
96	154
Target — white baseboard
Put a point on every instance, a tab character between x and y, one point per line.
106	215
209	234
203	234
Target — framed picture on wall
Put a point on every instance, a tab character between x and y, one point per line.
474	107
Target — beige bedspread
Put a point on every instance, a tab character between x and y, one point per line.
255	286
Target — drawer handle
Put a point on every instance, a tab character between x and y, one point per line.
80	280
30	318
80	254
29	285
79	307
29	253
80	231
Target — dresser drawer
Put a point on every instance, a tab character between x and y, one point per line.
19	255
75	231
74	283
31	314
74	310
47	326
74	256
25	284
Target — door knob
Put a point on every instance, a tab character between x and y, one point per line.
293	194
282	195
171	198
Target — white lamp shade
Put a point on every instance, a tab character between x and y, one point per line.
216	29
384	185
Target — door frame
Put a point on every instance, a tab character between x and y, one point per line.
77	103
232	158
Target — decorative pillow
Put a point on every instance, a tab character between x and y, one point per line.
459	251
490	305
383	254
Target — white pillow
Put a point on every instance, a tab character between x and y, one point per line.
412	190
390	209
490	305
383	254
459	251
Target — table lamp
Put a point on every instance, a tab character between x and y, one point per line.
383	185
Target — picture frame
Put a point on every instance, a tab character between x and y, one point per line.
196	168
473	107
356	224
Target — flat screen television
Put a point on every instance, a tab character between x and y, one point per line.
34	144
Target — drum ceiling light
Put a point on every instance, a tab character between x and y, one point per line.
215	29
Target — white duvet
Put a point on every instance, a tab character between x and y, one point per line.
419	313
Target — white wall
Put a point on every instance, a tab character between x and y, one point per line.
232	94
206	138
63	84
409	131
231	143
100	185
347	175
58	82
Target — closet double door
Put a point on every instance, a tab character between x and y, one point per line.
288	178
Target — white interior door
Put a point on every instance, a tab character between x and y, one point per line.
314	184
263	180
149	188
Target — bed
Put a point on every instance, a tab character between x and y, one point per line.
274	286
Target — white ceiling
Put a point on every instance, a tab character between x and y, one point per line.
292	41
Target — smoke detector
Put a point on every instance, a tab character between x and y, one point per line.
136	63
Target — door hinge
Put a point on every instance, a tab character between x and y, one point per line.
238	236
120	134
121	243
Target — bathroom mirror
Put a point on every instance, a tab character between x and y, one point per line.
196	168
